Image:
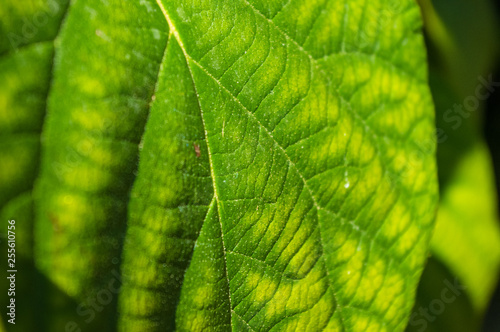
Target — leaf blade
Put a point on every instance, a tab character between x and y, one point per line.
222	91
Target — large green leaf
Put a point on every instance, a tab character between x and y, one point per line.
286	176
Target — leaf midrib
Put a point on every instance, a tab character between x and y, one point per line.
173	31
315	203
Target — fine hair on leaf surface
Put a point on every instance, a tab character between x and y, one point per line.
219	165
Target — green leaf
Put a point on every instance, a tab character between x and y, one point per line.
466	241
98	105
27	30
293	181
246	165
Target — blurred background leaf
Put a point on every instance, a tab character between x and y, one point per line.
27	32
463	44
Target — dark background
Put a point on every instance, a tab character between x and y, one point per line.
492	133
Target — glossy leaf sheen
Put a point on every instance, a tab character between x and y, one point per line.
281	183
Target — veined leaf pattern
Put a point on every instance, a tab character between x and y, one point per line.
246	165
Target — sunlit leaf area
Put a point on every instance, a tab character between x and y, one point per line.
249	165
